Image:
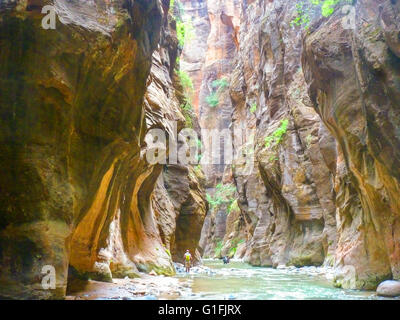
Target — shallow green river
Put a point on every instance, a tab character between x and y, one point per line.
238	280
215	281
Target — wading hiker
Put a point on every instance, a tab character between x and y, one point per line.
188	260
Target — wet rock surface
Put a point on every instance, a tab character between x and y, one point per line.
389	289
146	288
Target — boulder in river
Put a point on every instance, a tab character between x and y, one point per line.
389	288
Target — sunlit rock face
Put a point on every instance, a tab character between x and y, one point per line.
354	83
77	190
72	137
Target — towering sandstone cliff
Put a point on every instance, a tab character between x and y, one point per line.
319	94
76	189
322	98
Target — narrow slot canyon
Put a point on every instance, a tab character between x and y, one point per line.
264	132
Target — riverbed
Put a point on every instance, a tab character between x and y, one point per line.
216	281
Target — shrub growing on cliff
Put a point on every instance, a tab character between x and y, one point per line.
218	86
185	32
306	9
184	29
224	194
213	99
277	136
253	108
234	244
185	80
234	206
187	109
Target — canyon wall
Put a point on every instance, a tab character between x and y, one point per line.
208	59
76	189
321	96
287	201
353	78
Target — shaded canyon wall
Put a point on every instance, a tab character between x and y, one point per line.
76	189
322	100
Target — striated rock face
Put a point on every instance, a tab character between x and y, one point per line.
184	186
76	103
354	83
287	201
208	59
192	59
77	190
322	102
71	139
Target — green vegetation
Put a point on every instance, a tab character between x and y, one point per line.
277	136
224	194
187	111
199	144
218	248
309	140
198	170
186	107
184	32
232	252
307	8
213	99
253	108
186	81
234	206
234	244
218	86
184	29
273	158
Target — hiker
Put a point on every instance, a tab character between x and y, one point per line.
226	260
188	260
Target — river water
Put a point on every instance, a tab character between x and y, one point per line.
239	280
216	281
